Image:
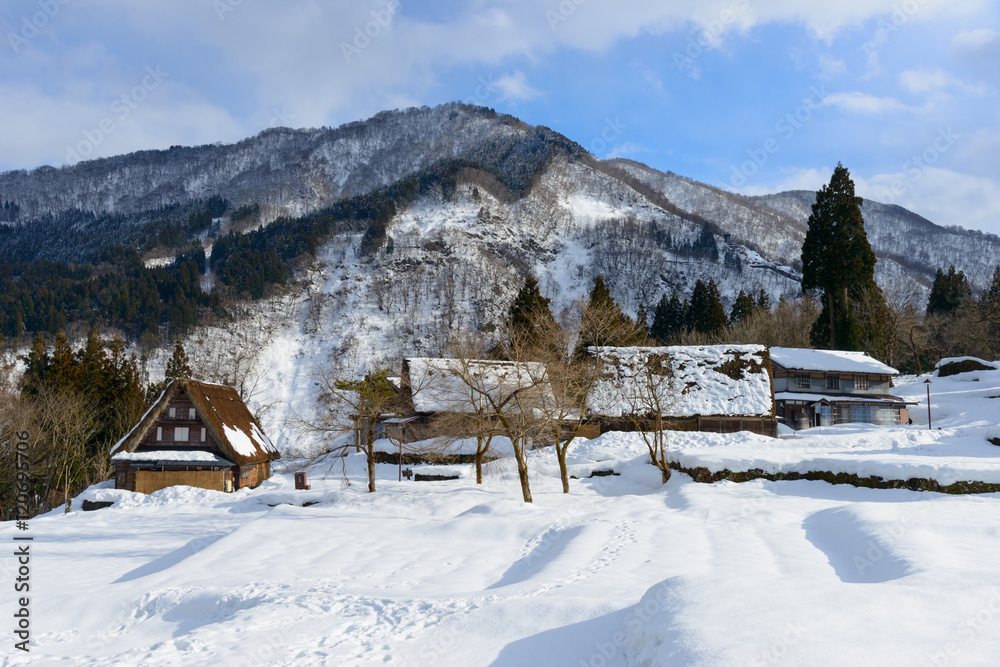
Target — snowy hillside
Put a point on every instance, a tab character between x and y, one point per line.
623	572
909	247
907	244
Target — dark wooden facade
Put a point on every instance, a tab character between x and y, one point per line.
719	424
192	417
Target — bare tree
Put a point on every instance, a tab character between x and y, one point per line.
642	382
511	396
353	407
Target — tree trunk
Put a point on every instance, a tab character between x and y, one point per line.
479	465
563	473
370	453
664	469
833	329
522	469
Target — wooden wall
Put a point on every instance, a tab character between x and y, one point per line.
147	481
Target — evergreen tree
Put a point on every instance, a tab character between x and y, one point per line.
36	365
989	306
531	319
668	320
603	323
949	292
743	307
62	369
707	314
641	323
178	367
763	301
837	258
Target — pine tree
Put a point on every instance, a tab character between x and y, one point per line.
763	301
531	320
62	369
837	258
949	292
743	307
603	323
989	306
641	323
178	367
36	365
707	314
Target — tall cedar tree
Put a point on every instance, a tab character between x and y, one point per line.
743	307
949	292
707	313
668	320
603	323
837	258
531	320
178	368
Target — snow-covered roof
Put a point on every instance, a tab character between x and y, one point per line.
835	398
957	360
684	381
180	455
837	361
466	386
224	413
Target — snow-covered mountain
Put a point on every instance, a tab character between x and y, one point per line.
908	246
515	199
296	171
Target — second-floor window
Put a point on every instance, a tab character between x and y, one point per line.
180	434
832	382
191	413
861	382
802	381
172	412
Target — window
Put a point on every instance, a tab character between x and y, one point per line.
861	382
859	413
172	412
203	434
825	415
181	434
802	381
832	382
190	413
159	433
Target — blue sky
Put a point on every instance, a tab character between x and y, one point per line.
750	95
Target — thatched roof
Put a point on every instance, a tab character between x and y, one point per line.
226	417
459	386
684	381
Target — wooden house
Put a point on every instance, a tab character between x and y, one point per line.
711	388
826	387
195	434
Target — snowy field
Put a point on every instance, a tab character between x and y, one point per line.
623	571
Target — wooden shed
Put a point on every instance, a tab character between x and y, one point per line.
195	434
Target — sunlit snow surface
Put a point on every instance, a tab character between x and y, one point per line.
623	571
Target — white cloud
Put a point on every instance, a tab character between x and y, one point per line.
942	196
515	87
975	39
831	67
858	102
626	149
934	81
794	179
